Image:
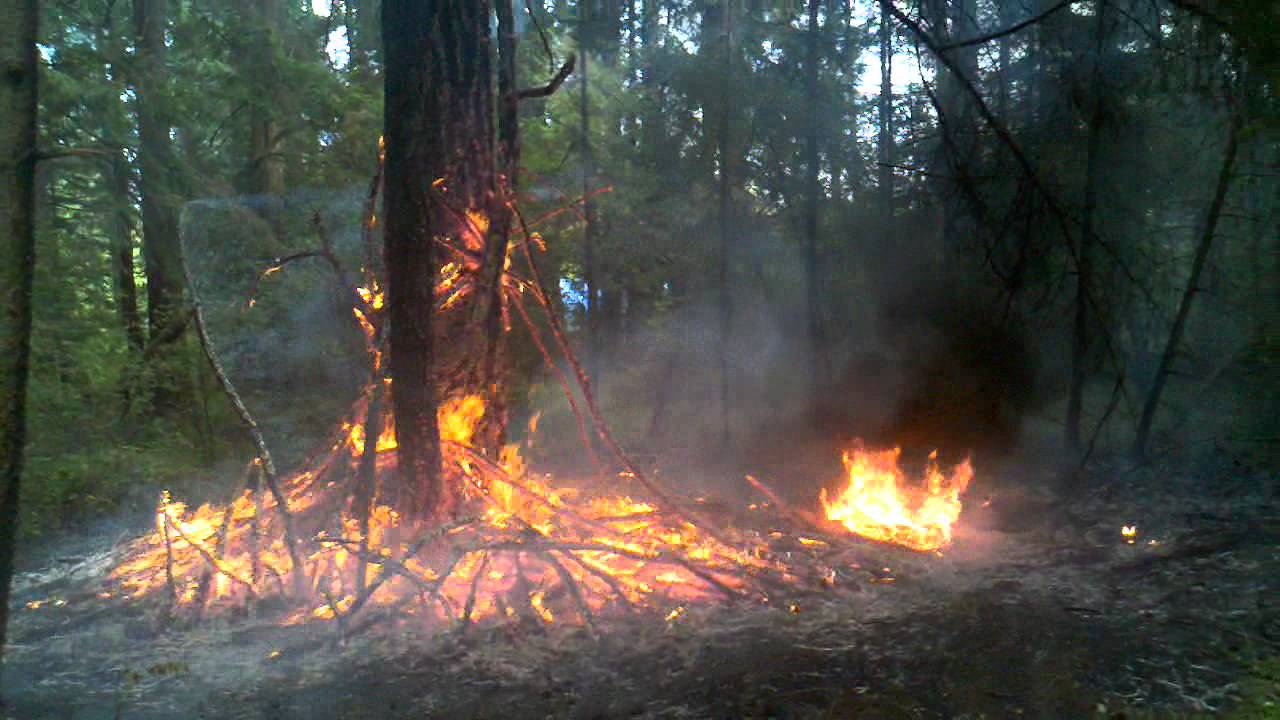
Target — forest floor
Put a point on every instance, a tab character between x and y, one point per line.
1039	609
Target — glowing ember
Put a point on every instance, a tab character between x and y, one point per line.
1129	533
880	503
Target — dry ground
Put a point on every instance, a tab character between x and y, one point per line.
1039	610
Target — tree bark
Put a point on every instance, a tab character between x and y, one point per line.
160	241
1080	340
886	142
438	130
265	168
18	106
493	373
1208	232
727	153
122	268
590	229
819	372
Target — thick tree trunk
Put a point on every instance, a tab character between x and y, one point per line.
1207	234
438	129
161	248
18	74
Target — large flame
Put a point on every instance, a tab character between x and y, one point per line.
537	549
879	502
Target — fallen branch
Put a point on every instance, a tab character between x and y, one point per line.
204	553
255	433
604	577
574	591
475	588
584	384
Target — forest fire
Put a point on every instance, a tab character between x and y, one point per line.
332	542
533	551
880	503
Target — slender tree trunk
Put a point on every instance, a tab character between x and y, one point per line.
1080	340
493	373
589	230
1002	62
266	167
1207	234
728	158
122	269
438	129
886	142
361	19
18	105
813	197
161	248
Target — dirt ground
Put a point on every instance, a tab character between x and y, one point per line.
1039	609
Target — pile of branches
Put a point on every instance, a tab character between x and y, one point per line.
320	539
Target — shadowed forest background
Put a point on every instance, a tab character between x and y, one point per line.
786	225
1032	233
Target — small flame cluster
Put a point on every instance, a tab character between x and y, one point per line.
879	501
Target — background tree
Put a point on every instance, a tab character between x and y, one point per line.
17	243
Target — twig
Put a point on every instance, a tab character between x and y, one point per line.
208	558
168	552
475	587
383	574
542	34
1007	31
551	87
536	335
220	542
798	516
255	433
366	474
584	384
661	558
575	592
603	576
505	478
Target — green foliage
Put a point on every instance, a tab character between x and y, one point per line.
663	86
1260	692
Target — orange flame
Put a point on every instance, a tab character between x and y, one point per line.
881	504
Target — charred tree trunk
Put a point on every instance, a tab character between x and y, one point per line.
17	262
1207	234
886	141
819	372
440	174
160	242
